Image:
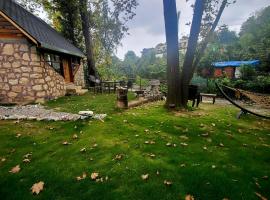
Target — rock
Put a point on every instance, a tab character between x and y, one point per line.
86	113
8	50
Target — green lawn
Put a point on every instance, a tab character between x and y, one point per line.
215	156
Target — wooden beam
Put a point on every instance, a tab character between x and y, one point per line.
18	27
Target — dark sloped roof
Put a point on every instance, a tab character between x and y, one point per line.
45	35
235	63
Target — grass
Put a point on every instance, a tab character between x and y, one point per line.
228	163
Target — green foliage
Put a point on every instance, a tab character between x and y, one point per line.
247	72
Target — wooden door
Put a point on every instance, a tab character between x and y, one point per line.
67	71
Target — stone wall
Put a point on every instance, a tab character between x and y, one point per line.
24	77
79	79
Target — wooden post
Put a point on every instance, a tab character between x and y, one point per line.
122	98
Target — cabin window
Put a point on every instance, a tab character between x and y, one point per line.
54	61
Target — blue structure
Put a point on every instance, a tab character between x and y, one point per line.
235	63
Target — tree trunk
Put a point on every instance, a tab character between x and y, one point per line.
173	71
191	49
87	38
208	37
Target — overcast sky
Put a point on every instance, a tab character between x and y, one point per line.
147	28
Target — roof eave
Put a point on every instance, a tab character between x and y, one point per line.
53	48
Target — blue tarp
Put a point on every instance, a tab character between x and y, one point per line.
235	63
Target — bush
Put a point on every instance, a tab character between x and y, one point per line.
247	72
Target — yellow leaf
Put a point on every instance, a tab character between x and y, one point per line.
15	169
83	176
37	187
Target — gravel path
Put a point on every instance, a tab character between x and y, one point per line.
36	112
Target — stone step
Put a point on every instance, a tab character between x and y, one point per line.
72	89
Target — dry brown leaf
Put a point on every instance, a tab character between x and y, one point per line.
18	135
265	177
27	155
83	150
260	196
118	157
184	144
146	142
75	136
66	143
189	197
221	144
3	159
37	187
145	176
26	160
169	144
15	169
167	183
83	176
94	175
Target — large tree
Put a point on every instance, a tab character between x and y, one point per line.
206	16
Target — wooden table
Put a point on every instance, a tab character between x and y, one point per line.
213	96
110	85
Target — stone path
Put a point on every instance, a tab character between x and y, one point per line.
39	113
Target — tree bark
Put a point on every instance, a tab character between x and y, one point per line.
173	71
208	38
87	38
191	49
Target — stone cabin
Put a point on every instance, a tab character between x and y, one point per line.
36	62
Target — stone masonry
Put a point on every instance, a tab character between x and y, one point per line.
24	76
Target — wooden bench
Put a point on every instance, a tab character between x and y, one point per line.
213	96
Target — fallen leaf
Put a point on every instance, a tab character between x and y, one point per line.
184	137
152	142
37	187
18	135
205	134
83	176
213	124
95	145
260	196
189	197
146	130
183	165
169	144
15	169
167	183
158	173
3	159
125	121
119	157
145	176
75	136
94	175
28	155
184	144
213	166
205	148
26	160
221	144
146	142
265	177
66	143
